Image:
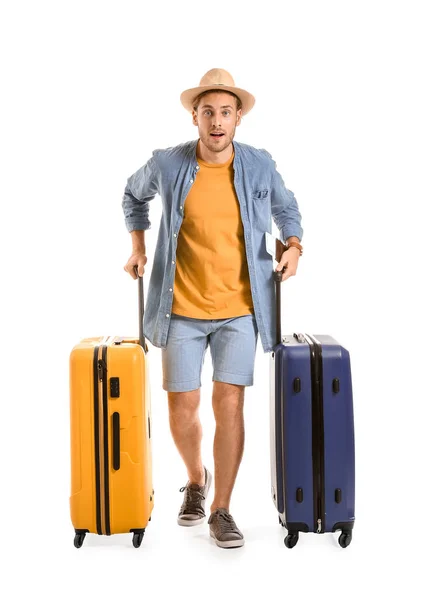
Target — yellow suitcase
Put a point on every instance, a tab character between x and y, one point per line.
110	420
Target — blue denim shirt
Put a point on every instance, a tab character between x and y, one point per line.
261	194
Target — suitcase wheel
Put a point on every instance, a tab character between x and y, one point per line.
79	539
137	539
291	540
345	539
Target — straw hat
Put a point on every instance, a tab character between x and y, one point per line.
214	80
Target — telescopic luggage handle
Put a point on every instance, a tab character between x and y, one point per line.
142	341
277	276
280	248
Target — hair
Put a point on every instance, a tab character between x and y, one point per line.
196	101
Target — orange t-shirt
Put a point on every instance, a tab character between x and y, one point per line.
212	278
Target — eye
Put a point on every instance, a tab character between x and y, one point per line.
226	112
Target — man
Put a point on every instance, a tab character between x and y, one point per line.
211	281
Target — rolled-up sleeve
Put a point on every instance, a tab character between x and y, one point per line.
285	210
141	187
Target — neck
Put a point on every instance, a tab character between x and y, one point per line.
208	156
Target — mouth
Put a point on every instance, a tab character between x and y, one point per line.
217	135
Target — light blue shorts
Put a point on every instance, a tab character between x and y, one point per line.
232	343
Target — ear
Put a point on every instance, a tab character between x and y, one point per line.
194	118
239	117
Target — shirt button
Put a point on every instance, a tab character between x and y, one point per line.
174	234
180	208
197	168
167	315
191	180
173	262
170	290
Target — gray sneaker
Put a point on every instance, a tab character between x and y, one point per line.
224	530
193	507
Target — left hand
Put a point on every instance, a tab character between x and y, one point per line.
290	260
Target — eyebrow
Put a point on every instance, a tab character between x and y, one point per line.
210	106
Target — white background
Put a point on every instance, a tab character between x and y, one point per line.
89	89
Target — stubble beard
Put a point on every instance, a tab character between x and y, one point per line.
216	146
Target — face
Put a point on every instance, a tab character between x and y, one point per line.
217	113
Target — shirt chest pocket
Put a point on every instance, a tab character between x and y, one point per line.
260	194
260	209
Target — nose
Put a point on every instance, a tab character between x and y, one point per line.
216	121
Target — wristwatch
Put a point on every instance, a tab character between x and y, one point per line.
295	245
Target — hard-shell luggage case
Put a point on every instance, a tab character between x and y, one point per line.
110	410
312	433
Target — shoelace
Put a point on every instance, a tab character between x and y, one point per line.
192	500
225	521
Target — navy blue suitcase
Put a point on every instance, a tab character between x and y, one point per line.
312	433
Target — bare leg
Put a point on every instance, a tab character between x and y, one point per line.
187	431
227	402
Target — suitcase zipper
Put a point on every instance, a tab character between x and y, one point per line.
317	433
101	436
97	438
101	440
104	439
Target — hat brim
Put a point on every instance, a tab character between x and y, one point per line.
188	96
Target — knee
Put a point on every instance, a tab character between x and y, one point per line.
184	406
227	401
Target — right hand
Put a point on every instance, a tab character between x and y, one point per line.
139	260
